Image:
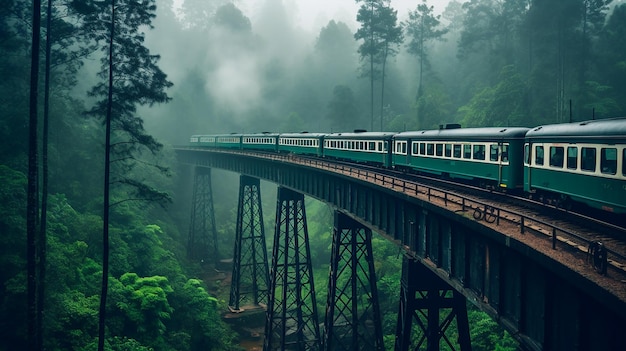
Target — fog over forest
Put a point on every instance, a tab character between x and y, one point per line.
250	66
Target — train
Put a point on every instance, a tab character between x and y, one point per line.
565	164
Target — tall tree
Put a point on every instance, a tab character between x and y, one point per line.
422	27
342	109
612	58
130	77
381	35
42	239
593	19
32	208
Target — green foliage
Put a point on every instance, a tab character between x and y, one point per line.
342	109
501	105
612	62
139	308
199	326
486	334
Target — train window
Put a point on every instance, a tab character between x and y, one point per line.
439	149
556	156
479	152
493	152
457	150
505	153
608	160
467	151
422	148
414	148
385	146
404	148
430	149
588	159
372	146
448	152
539	155
380	146
624	162
572	157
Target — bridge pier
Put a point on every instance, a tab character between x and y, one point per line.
352	309
250	278
292	322
423	296
202	240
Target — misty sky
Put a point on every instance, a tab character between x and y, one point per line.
237	82
314	14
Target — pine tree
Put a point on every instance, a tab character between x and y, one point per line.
129	77
381	35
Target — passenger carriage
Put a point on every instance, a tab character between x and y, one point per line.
228	141
301	143
486	156
583	161
260	141
202	141
363	147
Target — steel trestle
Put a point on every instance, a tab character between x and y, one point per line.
250	277
423	297
352	309
202	240
292	322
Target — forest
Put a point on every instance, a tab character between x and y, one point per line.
94	208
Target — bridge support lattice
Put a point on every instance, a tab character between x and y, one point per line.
250	277
352	309
202	240
423	298
291	313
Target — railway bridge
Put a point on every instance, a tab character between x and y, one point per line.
455	249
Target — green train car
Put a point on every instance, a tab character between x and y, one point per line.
301	143
260	141
227	141
362	147
491	157
583	162
202	141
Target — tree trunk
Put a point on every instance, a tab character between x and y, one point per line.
105	205
382	88
32	197
42	240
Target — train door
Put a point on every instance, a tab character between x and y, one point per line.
388	153
527	168
495	155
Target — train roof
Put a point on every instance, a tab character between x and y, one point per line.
263	134
303	135
217	135
488	133
361	135
611	127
